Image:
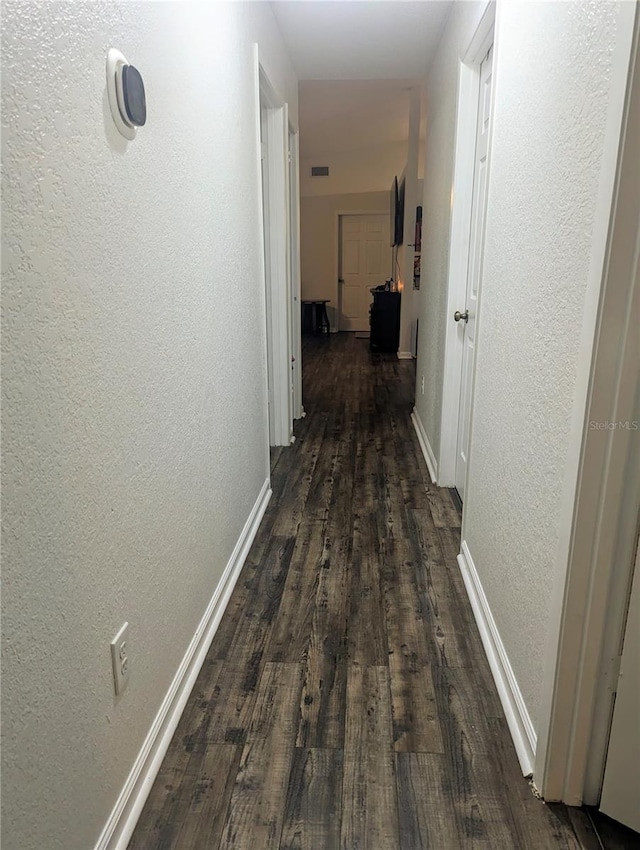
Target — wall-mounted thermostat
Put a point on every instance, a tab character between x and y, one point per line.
125	90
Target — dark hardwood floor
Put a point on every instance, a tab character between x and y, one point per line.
346	702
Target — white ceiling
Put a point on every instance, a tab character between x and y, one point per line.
361	39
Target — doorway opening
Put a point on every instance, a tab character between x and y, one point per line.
295	274
281	260
588	745
472	156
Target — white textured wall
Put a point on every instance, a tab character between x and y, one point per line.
442	90
368	169
553	80
134	404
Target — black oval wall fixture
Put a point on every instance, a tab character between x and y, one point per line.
126	94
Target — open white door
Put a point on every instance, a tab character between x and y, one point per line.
294	254
466	316
274	127
621	787
267	265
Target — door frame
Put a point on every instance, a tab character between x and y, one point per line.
602	490
276	242
461	210
294	254
338	255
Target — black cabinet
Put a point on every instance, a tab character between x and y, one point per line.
384	320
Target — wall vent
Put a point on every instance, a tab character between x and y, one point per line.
319	170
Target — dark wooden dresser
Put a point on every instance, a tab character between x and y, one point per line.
384	320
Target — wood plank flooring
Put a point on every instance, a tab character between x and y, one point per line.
346	702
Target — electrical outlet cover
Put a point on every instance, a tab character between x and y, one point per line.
120	659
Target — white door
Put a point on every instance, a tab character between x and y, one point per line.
621	788
276	217
467	321
267	266
294	210
365	260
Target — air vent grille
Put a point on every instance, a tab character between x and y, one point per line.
319	170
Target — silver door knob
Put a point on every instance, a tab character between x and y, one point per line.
458	316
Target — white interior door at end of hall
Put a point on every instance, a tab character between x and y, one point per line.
365	262
621	787
476	249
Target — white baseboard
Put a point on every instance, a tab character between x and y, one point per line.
405	355
122	821
520	725
425	445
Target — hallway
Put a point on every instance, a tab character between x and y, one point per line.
346	701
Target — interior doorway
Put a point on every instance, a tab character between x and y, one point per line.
278	259
466	316
364	261
472	156
592	639
295	273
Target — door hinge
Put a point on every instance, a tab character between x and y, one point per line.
289	157
612	674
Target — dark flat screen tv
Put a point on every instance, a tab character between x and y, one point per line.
393	210
400	214
396	208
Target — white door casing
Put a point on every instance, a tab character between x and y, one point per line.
460	229
601	499
294	208
365	258
467	329
276	224
290	295
265	225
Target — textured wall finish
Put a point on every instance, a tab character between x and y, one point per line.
553	85
368	169
134	402
442	91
